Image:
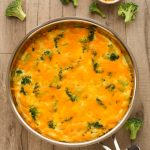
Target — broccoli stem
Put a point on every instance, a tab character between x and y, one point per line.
21	15
101	13
75	3
133	135
128	18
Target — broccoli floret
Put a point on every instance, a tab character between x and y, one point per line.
96	10
65	2
96	125
75	3
15	9
36	89
56	40
60	74
91	33
114	57
26	80
34	111
71	95
51	124
100	102
19	71
23	91
133	125
94	53
84	41
47	53
110	87
128	11
96	66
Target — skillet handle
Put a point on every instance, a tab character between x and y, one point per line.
105	147
115	144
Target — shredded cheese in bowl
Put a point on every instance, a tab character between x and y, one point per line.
72	83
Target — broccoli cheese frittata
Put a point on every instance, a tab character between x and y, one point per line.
72	84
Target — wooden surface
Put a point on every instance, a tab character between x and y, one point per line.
137	35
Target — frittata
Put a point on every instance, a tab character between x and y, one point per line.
72	83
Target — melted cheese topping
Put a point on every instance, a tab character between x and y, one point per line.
72	84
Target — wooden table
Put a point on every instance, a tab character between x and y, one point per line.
137	35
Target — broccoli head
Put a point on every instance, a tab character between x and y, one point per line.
133	125
34	112
128	11
96	10
15	9
75	3
65	2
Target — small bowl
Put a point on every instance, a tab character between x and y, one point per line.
109	1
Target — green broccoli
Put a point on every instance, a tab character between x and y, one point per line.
91	33
100	102
95	9
114	57
133	125
51	124
57	38
84	41
96	66
15	9
34	111
26	80
128	11
36	89
47	53
60	74
75	3
95	125
72	97
110	87
66	2
23	91
19	71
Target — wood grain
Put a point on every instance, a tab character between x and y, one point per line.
136	35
